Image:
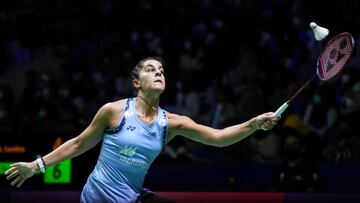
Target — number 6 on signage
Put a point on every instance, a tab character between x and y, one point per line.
59	173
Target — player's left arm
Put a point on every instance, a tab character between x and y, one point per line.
182	125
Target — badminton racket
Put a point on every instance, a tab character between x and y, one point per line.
331	61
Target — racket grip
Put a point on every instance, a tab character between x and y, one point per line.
281	109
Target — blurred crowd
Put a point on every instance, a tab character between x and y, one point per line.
225	62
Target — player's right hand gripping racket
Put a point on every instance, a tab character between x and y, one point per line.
331	61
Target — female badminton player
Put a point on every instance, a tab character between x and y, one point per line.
133	132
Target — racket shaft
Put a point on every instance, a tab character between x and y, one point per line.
281	109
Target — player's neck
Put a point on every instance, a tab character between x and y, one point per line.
147	105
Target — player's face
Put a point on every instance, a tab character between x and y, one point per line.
151	77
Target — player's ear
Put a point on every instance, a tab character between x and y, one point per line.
136	83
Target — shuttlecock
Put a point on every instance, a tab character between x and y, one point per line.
319	32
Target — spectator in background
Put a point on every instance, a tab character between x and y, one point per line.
341	145
267	147
298	172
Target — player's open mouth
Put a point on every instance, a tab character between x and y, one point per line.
158	81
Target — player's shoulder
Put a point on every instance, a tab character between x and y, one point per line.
114	105
113	108
171	115
176	120
175	116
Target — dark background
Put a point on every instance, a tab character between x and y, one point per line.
61	60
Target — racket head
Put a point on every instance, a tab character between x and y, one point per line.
335	55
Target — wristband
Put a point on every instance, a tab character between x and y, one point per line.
40	163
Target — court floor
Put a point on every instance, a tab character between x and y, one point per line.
192	197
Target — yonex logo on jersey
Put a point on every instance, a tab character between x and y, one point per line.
128	151
130	127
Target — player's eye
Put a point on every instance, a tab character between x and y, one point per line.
150	69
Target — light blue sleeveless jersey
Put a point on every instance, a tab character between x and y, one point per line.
125	157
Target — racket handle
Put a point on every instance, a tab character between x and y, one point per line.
281	109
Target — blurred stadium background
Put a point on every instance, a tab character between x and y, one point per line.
225	61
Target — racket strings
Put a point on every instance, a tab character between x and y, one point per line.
335	56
